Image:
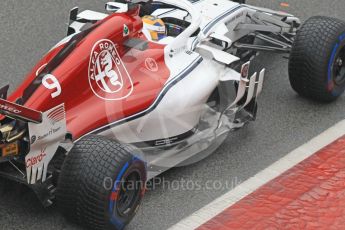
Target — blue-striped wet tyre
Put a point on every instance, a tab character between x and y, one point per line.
101	184
317	60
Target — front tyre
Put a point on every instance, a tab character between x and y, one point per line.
101	184
317	60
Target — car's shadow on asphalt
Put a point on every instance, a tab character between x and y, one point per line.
18	202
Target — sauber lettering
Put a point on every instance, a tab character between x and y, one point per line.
51	132
32	161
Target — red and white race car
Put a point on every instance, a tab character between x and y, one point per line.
149	86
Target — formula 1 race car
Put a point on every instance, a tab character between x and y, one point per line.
149	86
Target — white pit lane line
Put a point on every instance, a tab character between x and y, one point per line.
295	157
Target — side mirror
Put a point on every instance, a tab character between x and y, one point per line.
116	7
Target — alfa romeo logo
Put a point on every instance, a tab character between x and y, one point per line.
108	77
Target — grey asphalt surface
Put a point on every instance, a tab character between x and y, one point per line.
285	121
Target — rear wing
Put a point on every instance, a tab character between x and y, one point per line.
19	112
15	111
46	131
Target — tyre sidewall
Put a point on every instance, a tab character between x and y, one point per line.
85	187
334	89
131	165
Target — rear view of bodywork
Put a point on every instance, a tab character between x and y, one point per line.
161	103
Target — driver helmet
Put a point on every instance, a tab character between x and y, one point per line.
155	27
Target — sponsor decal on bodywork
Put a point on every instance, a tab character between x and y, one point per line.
125	30
45	140
108	76
48	133
151	64
9	108
32	161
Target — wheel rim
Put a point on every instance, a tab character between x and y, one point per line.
339	67
129	194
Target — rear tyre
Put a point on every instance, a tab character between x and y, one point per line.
101	184
317	60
